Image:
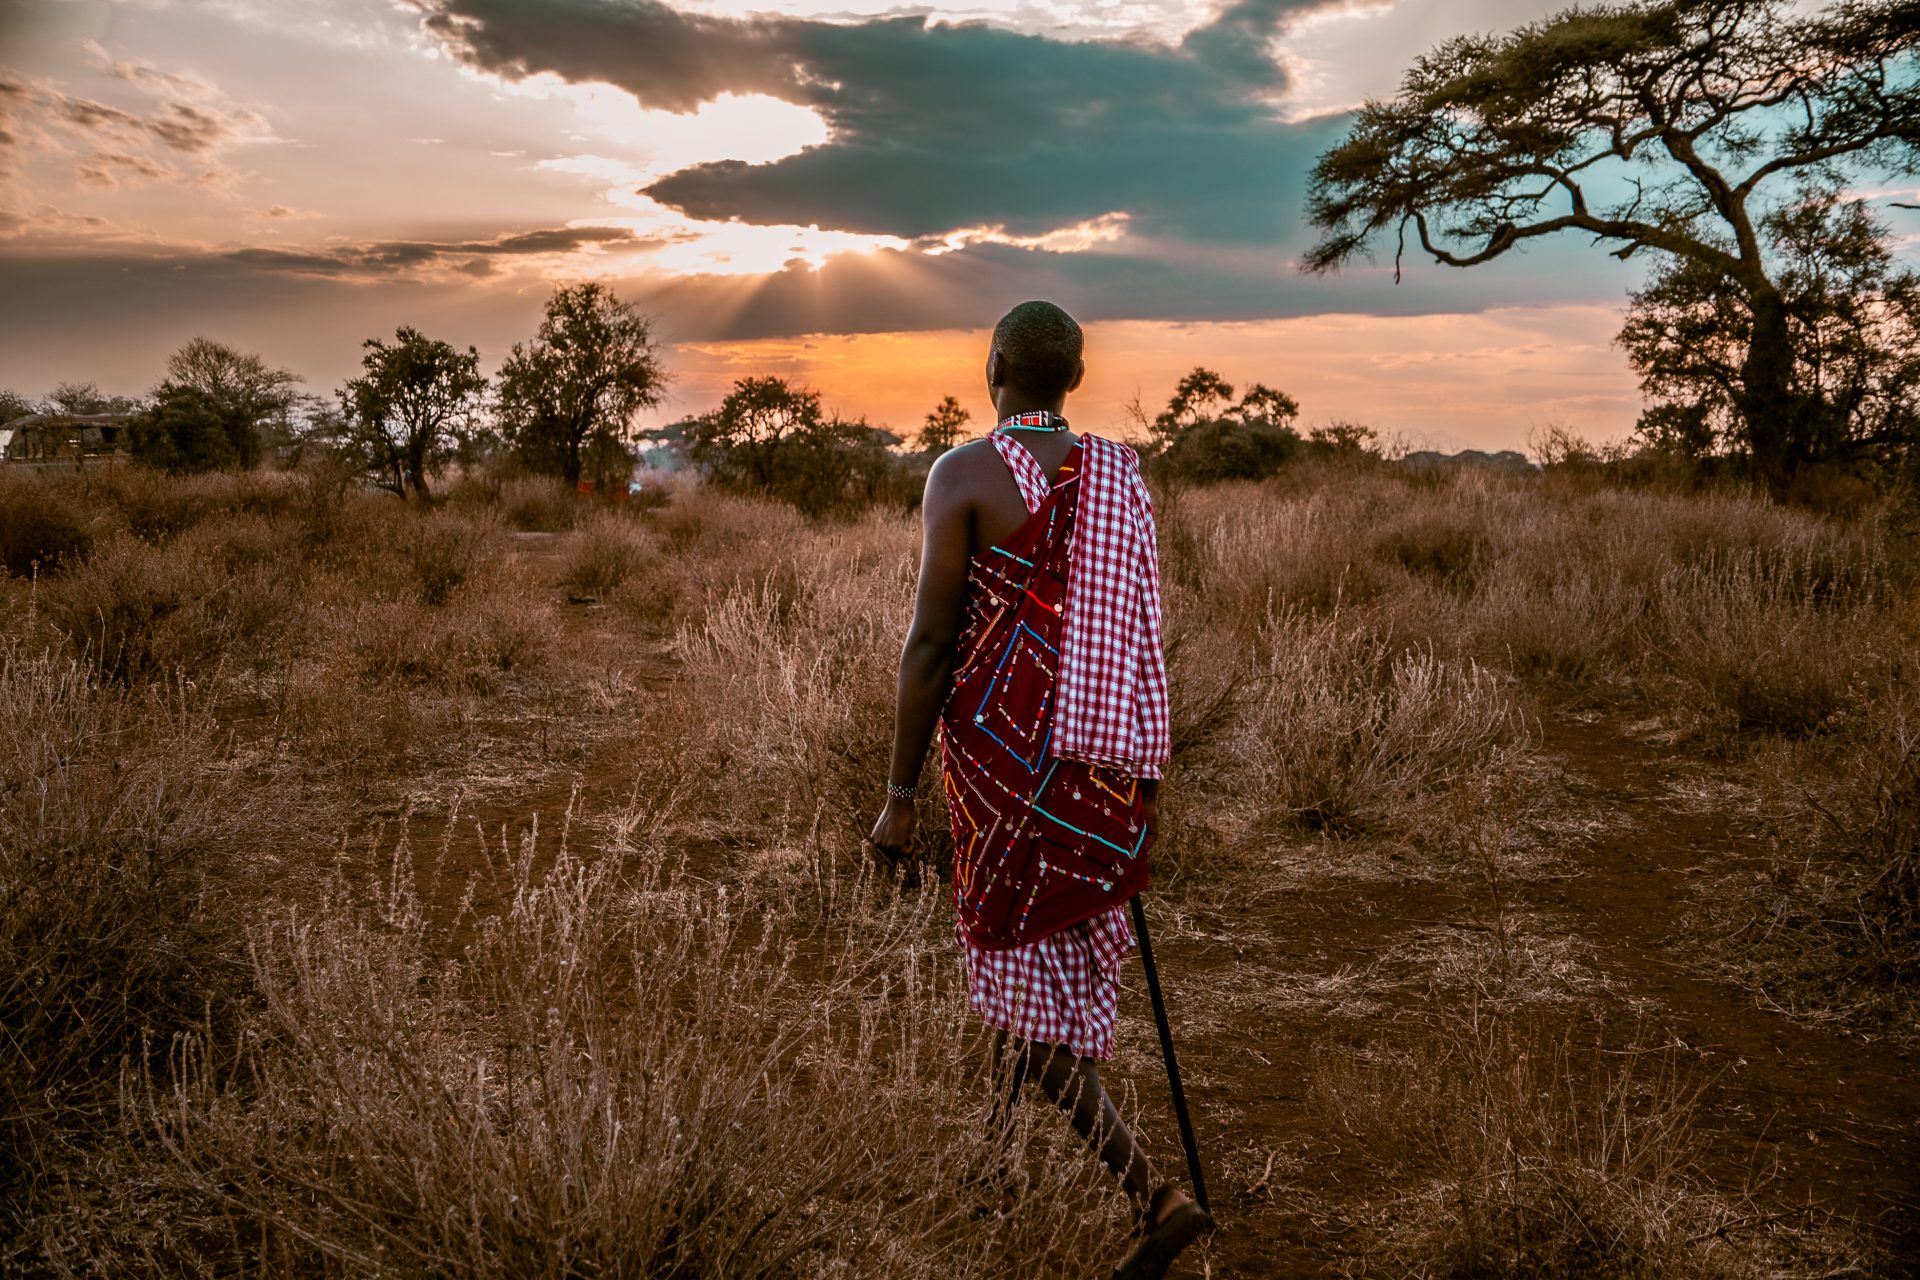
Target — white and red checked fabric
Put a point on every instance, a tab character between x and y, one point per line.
1027	472
1112	706
1061	990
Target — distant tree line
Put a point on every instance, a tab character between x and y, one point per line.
562	404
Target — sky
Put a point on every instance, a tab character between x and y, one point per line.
845	193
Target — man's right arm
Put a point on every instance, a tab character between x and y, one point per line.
926	661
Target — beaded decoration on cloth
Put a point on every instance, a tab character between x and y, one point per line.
1040	842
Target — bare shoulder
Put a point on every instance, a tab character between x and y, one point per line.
963	472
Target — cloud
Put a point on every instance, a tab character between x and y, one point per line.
398	257
937	127
178	137
105	169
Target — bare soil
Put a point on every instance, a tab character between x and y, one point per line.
1822	1123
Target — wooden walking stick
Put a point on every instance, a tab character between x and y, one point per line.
1166	1050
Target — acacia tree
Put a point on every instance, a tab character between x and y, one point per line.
1655	126
592	366
943	426
84	398
403	410
1854	314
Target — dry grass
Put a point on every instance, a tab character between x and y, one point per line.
1521	1152
690	1036
675	1099
118	860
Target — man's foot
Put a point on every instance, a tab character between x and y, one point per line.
1170	1224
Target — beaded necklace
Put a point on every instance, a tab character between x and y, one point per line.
1042	420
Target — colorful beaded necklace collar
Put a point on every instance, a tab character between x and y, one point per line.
1040	421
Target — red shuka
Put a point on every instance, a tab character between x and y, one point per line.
1039	842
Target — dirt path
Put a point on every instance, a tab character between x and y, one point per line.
1833	1121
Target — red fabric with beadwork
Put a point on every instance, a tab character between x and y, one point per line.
1040	842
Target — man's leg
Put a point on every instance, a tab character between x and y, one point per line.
1073	1084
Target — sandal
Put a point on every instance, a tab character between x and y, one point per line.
1162	1239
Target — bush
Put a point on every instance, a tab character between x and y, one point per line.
136	613
1214	452
539	505
1347	735
186	430
1765	643
42	530
116	920
1523	1156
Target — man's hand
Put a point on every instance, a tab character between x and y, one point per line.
893	833
1150	813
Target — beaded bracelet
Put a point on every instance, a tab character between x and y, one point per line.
899	792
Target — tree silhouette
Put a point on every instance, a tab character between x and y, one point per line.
402	410
771	437
241	385
1204	436
1854	316
1646	126
591	367
943	426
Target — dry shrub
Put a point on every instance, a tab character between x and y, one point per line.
1447	545
1562	622
1827	922
478	637
1247	551
800	672
445	550
615	1077
1524	1155
538	504
1346	734
1766	643
116	853
613	559
157	506
43	526
137	612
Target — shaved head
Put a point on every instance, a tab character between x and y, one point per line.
1039	347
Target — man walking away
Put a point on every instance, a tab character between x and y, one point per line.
1035	648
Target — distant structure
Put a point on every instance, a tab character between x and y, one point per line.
1430	460
64	437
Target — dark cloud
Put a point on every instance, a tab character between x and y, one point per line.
394	257
893	290
140	296
936	127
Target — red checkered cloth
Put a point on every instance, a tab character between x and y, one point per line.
1062	990
1112	707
